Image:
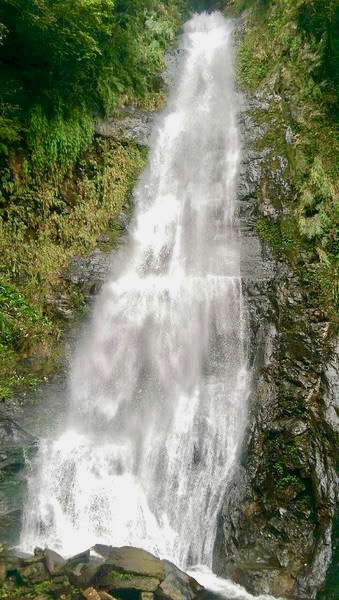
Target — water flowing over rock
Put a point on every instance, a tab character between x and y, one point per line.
159	385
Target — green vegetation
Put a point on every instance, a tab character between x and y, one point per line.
45	590
65	221
21	325
17	316
286	476
121	575
292	49
280	235
63	65
251	72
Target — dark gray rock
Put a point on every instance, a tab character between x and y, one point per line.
134	560
177	585
82	568
103	572
116	582
103	550
83	574
53	561
275	525
61	305
88	271
82	558
10	560
129	123
15	445
136	570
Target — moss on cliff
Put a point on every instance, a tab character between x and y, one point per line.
276	519
48	222
289	49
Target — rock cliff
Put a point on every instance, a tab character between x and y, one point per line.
274	532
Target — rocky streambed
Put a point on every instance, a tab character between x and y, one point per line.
100	573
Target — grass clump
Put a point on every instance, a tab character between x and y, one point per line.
280	235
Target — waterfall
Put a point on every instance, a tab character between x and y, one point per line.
159	383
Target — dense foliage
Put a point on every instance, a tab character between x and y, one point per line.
62	62
319	20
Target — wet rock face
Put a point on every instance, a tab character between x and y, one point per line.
103	573
89	272
130	123
15	446
12	435
274	531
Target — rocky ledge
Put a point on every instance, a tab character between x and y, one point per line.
100	573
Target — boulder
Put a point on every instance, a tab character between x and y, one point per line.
15	561
53	561
177	585
137	561
33	572
83	557
83	574
100	573
131	570
11	559
102	550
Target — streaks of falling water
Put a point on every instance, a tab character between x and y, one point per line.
159	384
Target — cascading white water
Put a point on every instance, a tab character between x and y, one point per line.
159	385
